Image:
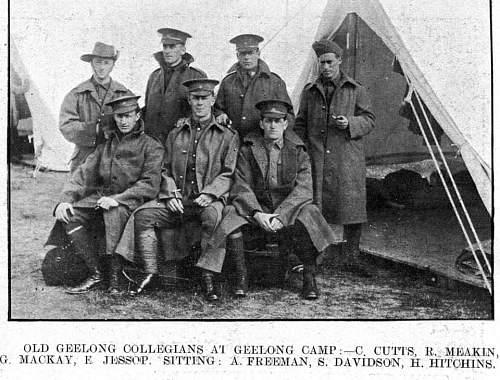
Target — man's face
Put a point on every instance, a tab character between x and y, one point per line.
126	121
102	67
172	53
329	65
201	105
273	127
248	59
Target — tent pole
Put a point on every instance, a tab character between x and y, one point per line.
486	282
459	196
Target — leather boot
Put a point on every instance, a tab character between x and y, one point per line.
80	239
115	269
235	250
207	279
350	250
310	288
146	244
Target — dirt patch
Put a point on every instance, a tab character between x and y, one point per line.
392	293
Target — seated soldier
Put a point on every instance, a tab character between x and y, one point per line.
197	175
119	176
272	191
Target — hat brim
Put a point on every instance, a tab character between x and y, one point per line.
201	92
172	41
274	114
89	57
125	109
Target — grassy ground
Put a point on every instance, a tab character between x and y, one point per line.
394	292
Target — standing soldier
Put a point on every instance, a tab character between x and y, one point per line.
166	97
85	118
247	82
334	114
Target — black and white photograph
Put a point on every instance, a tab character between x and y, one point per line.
247	188
245	160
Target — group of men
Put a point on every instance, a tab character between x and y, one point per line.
235	163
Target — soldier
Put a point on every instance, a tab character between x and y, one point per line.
334	115
248	81
85	118
272	193
197	175
116	178
166	97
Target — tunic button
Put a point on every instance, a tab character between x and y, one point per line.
192	182
197	129
242	95
244	118
194	155
195	141
327	151
323	107
180	177
322	131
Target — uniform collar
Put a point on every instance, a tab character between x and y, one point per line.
96	83
189	122
278	143
138	130
187	59
289	137
342	79
262	68
88	85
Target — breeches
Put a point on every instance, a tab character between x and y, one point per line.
162	218
114	222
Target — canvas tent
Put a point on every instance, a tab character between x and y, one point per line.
436	55
47	39
443	48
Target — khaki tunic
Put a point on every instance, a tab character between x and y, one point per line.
79	115
165	105
239	103
292	199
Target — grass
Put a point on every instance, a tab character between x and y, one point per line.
393	292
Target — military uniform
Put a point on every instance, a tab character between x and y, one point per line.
200	159
337	154
240	90
126	168
166	97
274	177
84	116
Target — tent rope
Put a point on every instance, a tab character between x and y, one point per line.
459	196
438	169
285	25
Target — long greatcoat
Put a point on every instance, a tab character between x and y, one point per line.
292	199
216	155
338	157
79	114
239	103
164	106
127	169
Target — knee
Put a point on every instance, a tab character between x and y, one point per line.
119	211
210	218
236	234
143	219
